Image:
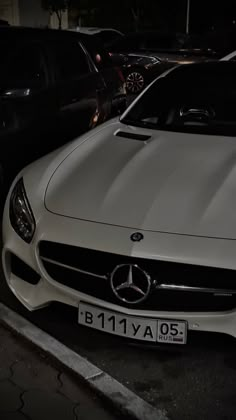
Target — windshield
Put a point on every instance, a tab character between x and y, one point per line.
108	36
196	98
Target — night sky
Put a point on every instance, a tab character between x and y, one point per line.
206	14
162	15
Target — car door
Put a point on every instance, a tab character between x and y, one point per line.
80	89
25	100
112	75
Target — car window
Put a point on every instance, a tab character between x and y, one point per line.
195	99
125	44
108	36
23	66
71	60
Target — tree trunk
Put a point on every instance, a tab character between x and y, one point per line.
59	17
136	16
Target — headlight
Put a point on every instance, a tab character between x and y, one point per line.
21	215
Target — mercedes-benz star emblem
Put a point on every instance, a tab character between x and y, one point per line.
130	283
136	237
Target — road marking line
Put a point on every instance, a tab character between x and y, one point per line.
116	394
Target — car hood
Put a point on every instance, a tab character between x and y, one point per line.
172	56
172	182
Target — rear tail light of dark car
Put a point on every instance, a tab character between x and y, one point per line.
120	74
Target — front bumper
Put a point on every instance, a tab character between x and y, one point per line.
174	248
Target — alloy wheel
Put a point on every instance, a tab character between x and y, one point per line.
135	82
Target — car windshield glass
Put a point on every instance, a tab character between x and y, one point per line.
106	37
196	99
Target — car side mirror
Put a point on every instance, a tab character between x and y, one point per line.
15	93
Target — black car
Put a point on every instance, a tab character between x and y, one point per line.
54	85
145	55
104	35
4	22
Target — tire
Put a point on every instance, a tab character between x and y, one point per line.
135	81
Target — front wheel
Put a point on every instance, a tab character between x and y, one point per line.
135	81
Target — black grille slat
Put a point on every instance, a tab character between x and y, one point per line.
22	270
103	263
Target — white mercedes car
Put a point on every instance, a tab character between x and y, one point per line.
134	223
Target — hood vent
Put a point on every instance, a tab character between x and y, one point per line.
133	136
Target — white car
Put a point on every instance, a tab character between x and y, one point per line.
134	223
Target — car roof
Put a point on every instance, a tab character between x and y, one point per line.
12	33
22	34
4	22
203	71
16	35
152	34
94	30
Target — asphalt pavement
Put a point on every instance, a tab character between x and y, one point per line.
196	381
32	388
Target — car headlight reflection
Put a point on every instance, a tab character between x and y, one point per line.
21	215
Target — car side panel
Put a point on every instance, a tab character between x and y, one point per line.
28	117
80	97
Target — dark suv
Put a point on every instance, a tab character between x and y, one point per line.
54	86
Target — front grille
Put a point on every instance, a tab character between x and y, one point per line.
102	264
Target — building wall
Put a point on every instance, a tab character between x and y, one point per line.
9	11
29	13
32	14
54	21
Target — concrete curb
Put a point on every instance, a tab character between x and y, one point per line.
103	384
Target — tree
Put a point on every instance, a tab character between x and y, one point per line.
86	11
133	15
57	7
136	10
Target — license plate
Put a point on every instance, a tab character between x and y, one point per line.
145	329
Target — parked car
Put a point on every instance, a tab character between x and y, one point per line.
55	85
145	55
104	35
134	224
4	22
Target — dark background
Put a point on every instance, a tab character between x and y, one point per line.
161	15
